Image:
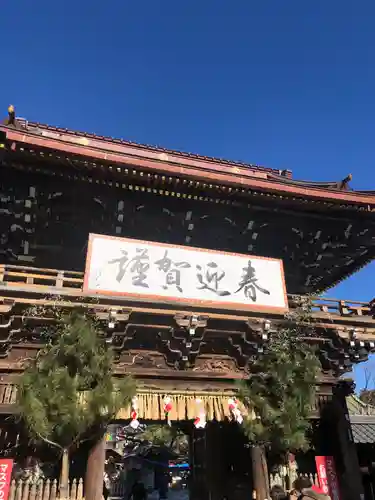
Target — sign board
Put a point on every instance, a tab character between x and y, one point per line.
6	467
158	272
327	477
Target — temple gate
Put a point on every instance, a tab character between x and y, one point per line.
58	187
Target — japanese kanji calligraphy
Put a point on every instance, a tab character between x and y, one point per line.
148	270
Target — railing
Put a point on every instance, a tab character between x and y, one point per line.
342	307
117	489
55	281
43	279
43	489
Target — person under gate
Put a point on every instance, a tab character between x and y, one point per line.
303	489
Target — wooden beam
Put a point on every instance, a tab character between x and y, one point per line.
23	281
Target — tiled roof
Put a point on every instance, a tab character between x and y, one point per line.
362	420
363	433
192	167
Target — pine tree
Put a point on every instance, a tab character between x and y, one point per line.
168	437
280	393
68	393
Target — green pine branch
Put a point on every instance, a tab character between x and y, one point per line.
68	392
164	436
281	389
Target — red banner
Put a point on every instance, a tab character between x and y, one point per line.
327	475
6	467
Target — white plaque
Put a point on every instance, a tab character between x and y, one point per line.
157	272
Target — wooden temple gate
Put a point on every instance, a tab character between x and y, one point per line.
59	186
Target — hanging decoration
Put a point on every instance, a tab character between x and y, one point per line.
234	410
200	420
167	408
134	424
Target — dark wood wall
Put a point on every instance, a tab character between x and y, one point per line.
45	221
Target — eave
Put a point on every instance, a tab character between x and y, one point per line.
23	158
231	176
93	177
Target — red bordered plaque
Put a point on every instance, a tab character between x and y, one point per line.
148	271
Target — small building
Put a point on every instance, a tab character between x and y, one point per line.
362	420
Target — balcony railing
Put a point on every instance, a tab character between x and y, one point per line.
59	282
40	279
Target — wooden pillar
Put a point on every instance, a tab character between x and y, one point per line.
337	441
260	472
351	477
198	480
214	453
95	471
64	476
291	471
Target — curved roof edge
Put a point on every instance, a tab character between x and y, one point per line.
40	127
357	407
195	167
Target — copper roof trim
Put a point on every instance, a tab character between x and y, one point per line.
48	129
237	176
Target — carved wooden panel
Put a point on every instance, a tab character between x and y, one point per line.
189	343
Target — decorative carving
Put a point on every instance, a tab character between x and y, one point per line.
9	334
122	340
141	359
114	322
113	316
243	348
263	328
219	364
338	354
6	305
182	340
180	347
256	325
191	322
372	307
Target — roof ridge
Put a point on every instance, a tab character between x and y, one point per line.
361	403
358	400
161	149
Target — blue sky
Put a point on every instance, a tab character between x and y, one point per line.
282	83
